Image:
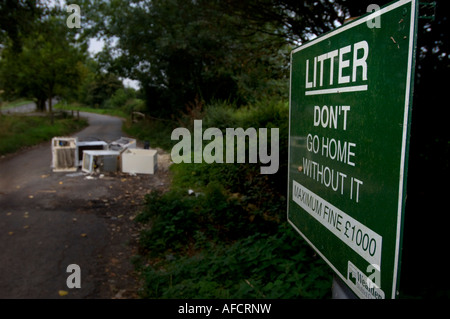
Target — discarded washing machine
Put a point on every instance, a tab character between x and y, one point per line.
100	161
88	146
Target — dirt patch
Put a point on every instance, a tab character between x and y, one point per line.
122	280
119	207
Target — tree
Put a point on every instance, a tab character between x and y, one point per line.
17	19
48	63
231	49
294	21
181	51
101	88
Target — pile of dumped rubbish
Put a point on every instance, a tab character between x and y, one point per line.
69	155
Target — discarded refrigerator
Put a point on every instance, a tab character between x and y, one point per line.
139	161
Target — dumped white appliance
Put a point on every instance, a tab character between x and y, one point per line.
64	154
122	144
100	160
99	156
139	161
87	146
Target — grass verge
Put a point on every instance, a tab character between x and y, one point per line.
18	131
81	108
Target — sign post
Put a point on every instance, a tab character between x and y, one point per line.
350	101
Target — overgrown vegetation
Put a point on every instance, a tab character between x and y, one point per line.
258	266
17	131
156	131
82	108
220	232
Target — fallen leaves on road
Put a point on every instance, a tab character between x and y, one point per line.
63	293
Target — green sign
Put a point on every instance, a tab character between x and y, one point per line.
350	98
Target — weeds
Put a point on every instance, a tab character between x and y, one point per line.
220	232
17	131
257	266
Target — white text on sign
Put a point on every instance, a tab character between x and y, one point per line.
342	151
315	69
357	236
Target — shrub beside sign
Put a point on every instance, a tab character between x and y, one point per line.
350	100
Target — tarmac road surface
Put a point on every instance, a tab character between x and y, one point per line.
48	221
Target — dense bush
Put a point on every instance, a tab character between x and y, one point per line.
256	266
125	99
177	219
220	232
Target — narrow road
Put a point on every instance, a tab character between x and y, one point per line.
49	220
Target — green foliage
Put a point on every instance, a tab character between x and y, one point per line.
81	108
125	99
47	64
242	178
120	97
19	131
220	231
156	131
177	218
181	50
17	19
257	266
100	88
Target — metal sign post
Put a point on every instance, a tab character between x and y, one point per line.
350	100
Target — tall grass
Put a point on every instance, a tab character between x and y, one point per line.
228	239
156	131
18	131
82	108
